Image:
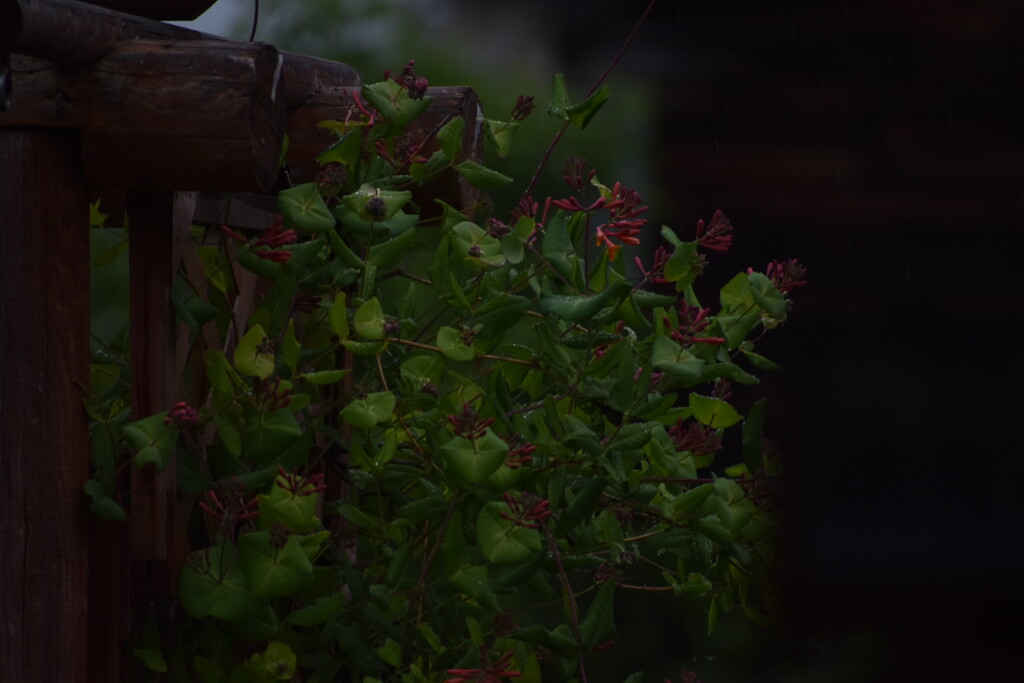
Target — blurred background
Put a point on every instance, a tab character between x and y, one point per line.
880	142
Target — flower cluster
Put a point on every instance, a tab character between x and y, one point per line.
273	236
468	424
526	511
624	210
181	414
716	236
693	320
787	275
695	438
270	394
657	272
518	453
523	107
230	507
408	79
299	485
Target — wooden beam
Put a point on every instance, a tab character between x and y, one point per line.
72	33
44	435
168	115
173	10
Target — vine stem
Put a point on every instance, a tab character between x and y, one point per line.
597	84
574	610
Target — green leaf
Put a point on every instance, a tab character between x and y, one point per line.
499	134
386	254
578	309
469	462
103	506
713	412
97	219
296	512
428	509
251	356
325	376
318	613
337	317
304	209
669	357
212	583
374	205
393	101
767	296
153	441
369	320
582	506
481	176
688	500
273	572
582	113
345	151
501	540
449	340
599	623
268	434
559	98
682	266
450	137
473	582
366	412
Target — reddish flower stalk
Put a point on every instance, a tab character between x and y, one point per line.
490	673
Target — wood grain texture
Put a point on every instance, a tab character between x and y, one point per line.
44	444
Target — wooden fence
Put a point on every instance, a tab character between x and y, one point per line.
177	125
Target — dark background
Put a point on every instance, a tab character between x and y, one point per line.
880	143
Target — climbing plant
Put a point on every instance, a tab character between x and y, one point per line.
445	443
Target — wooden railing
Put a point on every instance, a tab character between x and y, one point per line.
174	123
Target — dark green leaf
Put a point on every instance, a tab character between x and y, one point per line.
481	176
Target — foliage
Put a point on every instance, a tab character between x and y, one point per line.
444	447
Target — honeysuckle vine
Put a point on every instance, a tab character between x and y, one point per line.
438	423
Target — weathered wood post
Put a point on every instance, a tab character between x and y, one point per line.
44	439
